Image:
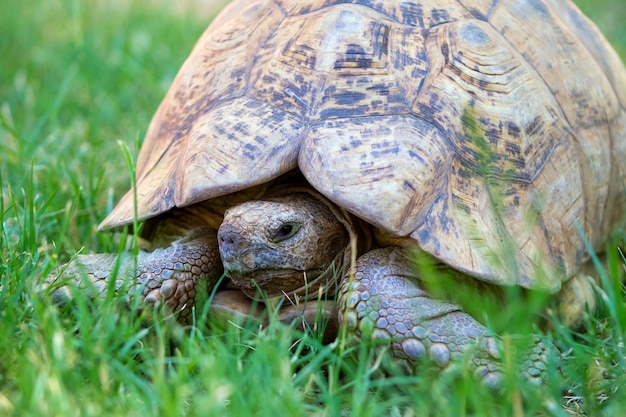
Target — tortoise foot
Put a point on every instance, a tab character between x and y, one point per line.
384	303
178	276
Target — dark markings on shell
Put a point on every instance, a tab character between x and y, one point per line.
394	150
276	150
514	131
343	112
444	220
382	37
277	97
464	173
357	57
478	14
408	186
416	155
439	16
424	237
356	143
411	14
329	92
513	149
493	135
250	151
302	55
534	127
510	191
445	51
349	98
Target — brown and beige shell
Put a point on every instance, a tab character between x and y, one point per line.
492	132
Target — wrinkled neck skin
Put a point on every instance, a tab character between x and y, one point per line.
292	243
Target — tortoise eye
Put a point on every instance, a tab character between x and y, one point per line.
285	231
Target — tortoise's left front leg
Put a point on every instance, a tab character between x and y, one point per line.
385	303
180	276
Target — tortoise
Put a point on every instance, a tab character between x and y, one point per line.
487	136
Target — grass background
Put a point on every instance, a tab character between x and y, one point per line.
76	79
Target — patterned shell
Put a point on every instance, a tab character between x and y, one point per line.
492	132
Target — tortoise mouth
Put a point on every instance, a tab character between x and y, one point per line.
271	282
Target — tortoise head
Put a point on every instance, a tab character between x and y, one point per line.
289	245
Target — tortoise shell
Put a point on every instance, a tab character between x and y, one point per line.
493	133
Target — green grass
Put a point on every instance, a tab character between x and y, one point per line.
76	79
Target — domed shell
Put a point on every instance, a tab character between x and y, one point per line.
493	134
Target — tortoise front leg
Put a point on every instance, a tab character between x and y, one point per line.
180	276
384	303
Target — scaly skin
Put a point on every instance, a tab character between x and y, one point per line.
177	276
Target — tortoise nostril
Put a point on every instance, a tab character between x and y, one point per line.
228	238
229	243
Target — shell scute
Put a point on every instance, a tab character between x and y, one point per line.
230	141
330	64
375	167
